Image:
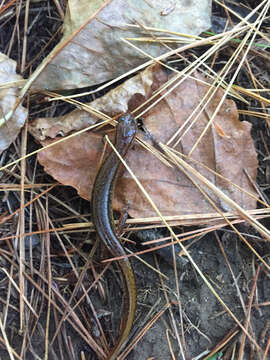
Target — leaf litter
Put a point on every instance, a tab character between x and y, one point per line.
195	298
93	54
9	90
227	148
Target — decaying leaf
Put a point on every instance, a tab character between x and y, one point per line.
97	53
226	148
9	127
170	189
74	162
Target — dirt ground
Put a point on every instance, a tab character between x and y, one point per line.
193	325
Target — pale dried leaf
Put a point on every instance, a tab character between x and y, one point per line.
9	127
97	54
117	101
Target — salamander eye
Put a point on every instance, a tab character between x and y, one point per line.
140	123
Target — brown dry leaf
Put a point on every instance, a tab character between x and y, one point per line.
9	91
226	148
74	162
171	190
97	53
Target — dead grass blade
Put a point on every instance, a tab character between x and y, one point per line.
6	343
